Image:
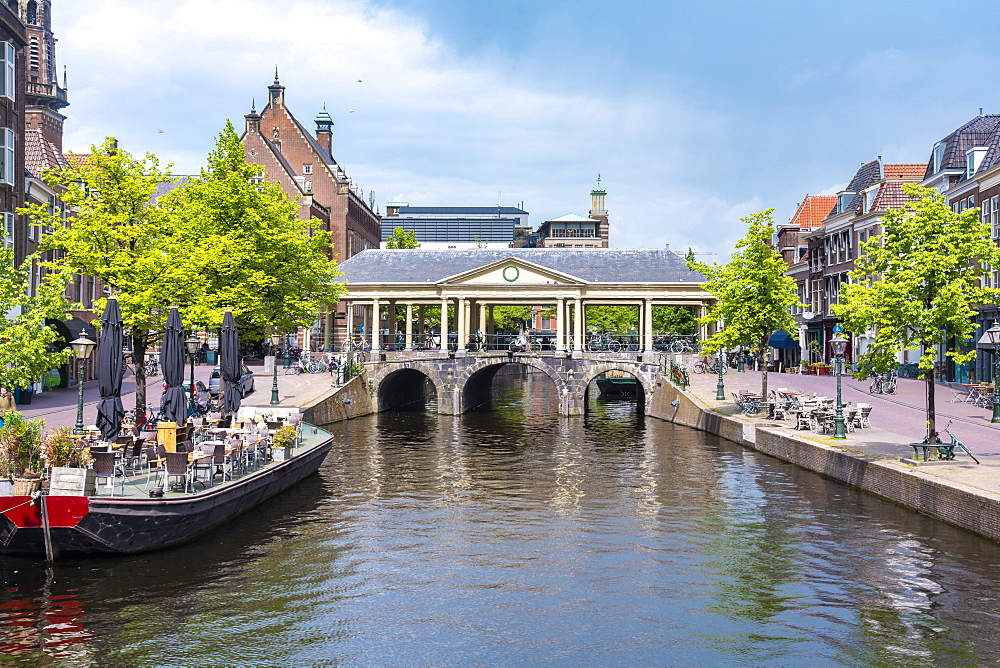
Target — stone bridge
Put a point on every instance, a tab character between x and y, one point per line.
463	382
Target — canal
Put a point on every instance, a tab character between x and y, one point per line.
512	536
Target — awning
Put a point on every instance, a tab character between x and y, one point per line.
783	340
70	330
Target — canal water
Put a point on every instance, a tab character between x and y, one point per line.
512	536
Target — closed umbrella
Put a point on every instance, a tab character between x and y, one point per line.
230	364
110	369
174	401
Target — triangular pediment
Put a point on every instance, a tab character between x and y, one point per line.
512	272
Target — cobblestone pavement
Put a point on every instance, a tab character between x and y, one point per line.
58	407
897	420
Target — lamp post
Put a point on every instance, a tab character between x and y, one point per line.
82	347
720	391
838	343
994	334
191	343
276	339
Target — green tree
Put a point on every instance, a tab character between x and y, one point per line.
916	285
26	342
121	237
400	238
616	319
250	252
753	295
674	320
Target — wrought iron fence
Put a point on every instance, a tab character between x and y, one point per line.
677	374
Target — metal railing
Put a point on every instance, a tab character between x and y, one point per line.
677	374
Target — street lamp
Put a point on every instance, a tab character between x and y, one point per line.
994	336
276	340
82	347
191	344
837	344
720	392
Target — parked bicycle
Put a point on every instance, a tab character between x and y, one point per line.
522	343
682	345
603	343
709	365
883	383
357	346
151	367
946	451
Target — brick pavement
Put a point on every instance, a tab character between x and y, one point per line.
897	420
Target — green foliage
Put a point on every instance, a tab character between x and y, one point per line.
753	295
510	317
20	446
616	319
284	437
247	249
59	448
674	320
25	340
915	285
400	238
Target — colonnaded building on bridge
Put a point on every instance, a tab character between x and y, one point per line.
473	282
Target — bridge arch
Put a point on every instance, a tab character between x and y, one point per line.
596	370
475	383
396	387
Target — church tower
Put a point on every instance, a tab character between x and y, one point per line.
44	97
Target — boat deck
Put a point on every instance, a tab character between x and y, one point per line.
138	484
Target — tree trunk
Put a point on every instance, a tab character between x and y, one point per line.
931	430
763	366
139	344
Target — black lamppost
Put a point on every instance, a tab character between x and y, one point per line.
837	344
994	335
720	391
191	344
276	340
82	347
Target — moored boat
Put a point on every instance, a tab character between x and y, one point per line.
617	385
56	526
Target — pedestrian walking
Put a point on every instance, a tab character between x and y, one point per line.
7	405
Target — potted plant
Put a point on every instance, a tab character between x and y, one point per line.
282	442
21	453
69	459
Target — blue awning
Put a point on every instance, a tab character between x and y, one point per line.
783	340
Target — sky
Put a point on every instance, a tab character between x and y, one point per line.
694	114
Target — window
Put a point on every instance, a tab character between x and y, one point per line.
307	169
870	199
973	158
844	201
6	156
938	156
970	202
8	230
8	77
995	215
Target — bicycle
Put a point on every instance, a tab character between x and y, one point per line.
882	385
522	343
151	367
682	346
358	346
704	365
604	343
946	451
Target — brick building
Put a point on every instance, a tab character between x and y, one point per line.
303	165
13	41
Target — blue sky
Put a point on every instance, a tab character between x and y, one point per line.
694	113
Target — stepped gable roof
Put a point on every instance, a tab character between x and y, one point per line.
976	132
612	265
39	154
904	171
812	211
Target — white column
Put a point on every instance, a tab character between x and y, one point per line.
702	329
578	328
560	326
350	321
444	326
391	323
421	330
647	322
462	323
375	332
481	324
409	326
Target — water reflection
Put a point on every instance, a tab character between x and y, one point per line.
517	536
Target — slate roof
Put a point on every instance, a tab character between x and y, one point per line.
980	131
163	187
611	265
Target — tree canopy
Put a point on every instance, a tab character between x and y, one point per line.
917	283
400	238
753	295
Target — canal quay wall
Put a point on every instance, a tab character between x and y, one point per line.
351	400
952	501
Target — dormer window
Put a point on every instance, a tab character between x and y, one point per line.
843	201
938	156
870	199
307	169
973	159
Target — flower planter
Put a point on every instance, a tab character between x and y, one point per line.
26	486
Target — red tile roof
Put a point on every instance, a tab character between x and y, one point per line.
39	154
904	171
812	211
890	196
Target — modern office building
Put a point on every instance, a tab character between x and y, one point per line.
457	227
